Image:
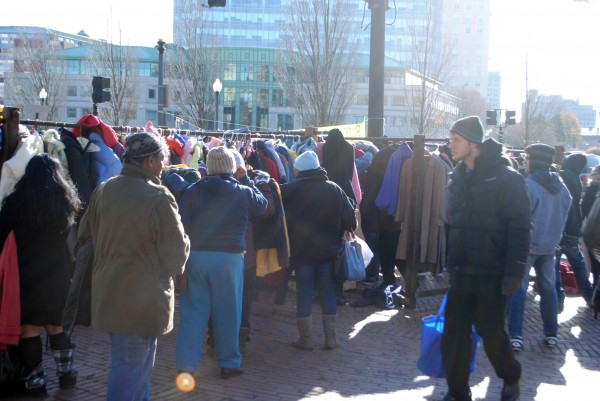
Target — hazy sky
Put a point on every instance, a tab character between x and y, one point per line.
558	38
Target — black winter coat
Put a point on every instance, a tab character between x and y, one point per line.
338	161
571	167
80	167
317	212
373	219
488	217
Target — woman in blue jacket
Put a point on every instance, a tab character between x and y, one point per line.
215	213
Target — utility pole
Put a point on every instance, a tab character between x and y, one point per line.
376	67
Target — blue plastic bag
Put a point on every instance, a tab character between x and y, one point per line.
350	264
430	355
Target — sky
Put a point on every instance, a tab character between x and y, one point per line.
557	40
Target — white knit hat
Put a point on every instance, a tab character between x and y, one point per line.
307	161
220	160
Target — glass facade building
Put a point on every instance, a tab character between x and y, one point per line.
248	36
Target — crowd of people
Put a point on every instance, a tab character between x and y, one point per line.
203	218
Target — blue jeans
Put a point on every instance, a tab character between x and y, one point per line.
215	282
545	277
309	277
569	246
131	364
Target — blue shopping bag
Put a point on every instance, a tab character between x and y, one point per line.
430	355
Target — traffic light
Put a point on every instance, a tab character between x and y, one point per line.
510	117
217	3
99	94
491	117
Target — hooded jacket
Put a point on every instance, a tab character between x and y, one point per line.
317	212
215	212
571	167
488	217
338	162
550	202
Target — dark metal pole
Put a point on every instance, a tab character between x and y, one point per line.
95	109
376	67
161	89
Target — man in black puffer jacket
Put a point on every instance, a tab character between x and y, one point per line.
571	167
488	244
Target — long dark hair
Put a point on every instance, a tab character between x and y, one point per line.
47	198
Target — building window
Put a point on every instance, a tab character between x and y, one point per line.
398	101
151	93
278	98
229	72
263	98
131	114
228	97
71	90
246	105
285	122
150	114
361	99
247	72
71	112
86	110
263	73
73	67
148	70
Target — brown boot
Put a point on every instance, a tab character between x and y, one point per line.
305	330
329	323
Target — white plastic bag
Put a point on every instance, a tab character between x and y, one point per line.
366	251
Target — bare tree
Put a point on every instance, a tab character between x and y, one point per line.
566	128
314	69
187	67
430	65
470	103
37	65
537	119
118	63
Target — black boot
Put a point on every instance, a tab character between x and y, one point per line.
62	351
35	382
33	377
67	375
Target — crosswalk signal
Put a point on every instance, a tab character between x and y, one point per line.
99	94
491	117
510	117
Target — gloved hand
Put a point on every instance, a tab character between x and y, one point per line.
511	284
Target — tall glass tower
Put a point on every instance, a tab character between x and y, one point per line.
247	34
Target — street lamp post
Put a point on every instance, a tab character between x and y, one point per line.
43	96
217	87
161	88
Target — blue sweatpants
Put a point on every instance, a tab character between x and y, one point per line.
215	283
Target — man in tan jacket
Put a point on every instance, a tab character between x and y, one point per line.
139	246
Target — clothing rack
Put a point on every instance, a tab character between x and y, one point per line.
10	140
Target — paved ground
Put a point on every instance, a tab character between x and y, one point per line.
375	360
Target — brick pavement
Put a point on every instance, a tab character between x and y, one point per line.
375	360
